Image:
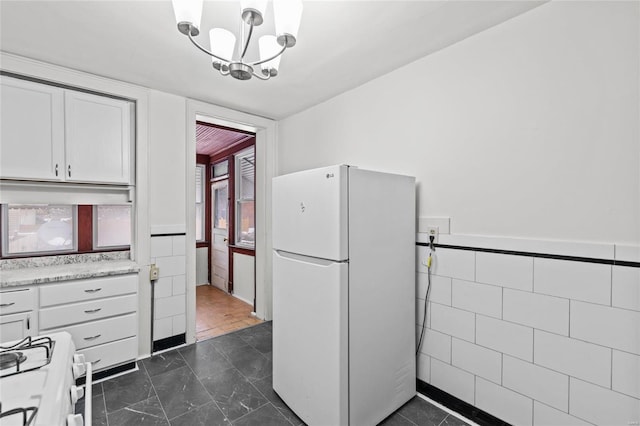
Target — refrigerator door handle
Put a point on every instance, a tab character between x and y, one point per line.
308	259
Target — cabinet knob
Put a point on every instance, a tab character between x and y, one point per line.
92	311
56	169
69	170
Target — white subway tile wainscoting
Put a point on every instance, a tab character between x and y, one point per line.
169	317
533	337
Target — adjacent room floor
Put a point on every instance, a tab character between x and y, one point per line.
221	381
218	313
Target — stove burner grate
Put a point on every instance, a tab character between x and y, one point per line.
28	414
25	345
11	359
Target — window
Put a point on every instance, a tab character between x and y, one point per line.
245	200
112	226
200	201
38	229
220	203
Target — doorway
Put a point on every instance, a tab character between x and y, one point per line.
225	234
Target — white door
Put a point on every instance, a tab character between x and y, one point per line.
220	235
98	134
310	337
310	213
31	130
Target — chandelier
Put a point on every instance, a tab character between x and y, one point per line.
287	14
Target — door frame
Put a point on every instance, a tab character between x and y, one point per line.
266	166
227	288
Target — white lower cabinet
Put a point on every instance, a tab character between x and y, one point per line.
111	354
100	314
17	314
16	326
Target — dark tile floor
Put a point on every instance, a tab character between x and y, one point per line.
221	381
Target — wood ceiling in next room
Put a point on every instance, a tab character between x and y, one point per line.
212	139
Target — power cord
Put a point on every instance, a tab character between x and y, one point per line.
426	296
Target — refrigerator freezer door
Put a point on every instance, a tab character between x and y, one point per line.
310	337
310	213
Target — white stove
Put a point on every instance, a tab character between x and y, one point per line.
37	382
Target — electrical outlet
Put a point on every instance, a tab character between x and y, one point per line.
154	272
432	231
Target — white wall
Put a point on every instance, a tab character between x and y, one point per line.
202	265
243	277
529	129
167	141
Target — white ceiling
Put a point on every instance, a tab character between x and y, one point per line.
340	44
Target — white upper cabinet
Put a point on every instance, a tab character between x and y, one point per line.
32	130
98	138
54	134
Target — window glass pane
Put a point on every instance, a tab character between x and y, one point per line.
220	199
39	228
220	169
113	225
199	222
246	175
246	225
200	200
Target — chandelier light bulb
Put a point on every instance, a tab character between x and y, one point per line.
223	43
269	47
188	12
287	15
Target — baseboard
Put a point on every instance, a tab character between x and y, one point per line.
459	406
95	376
169	342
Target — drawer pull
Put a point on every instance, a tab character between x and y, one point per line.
6	305
96	361
93	337
92	311
93	290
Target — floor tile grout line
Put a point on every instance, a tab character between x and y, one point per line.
156	392
205	388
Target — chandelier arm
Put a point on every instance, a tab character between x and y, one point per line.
196	44
268	59
260	76
246	44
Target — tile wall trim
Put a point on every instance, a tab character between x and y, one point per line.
534	254
467	410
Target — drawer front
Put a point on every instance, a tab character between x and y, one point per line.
12	301
102	331
87	311
111	354
81	290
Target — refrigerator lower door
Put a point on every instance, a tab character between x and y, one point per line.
310	337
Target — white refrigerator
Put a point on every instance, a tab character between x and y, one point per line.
344	294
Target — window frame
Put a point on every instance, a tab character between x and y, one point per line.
4	233
239	198
203	201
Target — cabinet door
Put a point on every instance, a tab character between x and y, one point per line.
31	130
16	327
98	136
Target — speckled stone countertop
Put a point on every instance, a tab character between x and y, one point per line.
40	270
